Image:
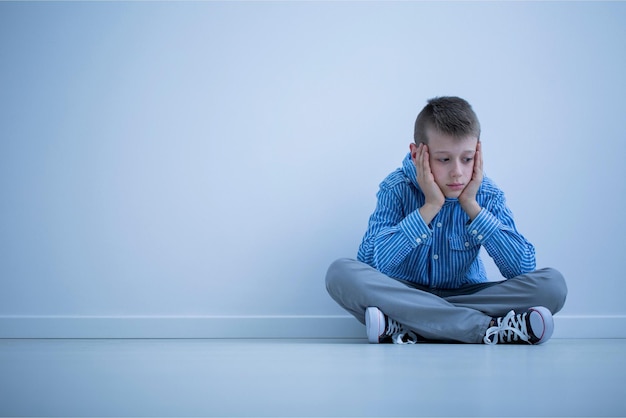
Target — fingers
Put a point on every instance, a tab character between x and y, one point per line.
422	159
478	159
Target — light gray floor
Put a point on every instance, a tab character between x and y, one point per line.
310	378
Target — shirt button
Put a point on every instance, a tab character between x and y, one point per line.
439	224
418	240
474	232
424	236
435	256
467	244
480	237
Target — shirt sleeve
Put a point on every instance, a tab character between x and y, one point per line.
392	235
495	229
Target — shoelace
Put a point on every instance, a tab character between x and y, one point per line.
398	334
408	337
511	328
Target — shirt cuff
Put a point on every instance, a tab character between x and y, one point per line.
483	226
415	229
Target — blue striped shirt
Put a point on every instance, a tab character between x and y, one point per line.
445	253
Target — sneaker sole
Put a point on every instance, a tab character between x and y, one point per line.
541	323
374	321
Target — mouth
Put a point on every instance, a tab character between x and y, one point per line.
456	186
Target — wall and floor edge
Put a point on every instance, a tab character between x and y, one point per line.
297	326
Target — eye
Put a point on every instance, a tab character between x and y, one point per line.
468	159
443	160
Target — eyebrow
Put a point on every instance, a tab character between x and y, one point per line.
449	152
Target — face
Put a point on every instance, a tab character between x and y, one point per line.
451	161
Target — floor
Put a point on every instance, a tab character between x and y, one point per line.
189	378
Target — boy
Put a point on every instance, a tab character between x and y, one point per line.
418	275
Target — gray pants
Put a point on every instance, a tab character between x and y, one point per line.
451	315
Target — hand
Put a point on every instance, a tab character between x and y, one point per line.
432	193
467	198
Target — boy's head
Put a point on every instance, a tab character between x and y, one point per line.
450	129
447	115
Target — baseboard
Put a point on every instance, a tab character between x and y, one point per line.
590	326
301	326
180	327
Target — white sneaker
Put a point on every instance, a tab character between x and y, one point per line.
534	326
379	327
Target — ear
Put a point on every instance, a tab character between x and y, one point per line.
413	147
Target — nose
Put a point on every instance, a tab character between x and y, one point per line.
455	170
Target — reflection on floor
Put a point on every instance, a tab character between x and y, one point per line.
310	378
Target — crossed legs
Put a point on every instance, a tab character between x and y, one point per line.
459	315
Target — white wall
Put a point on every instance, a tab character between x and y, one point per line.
209	159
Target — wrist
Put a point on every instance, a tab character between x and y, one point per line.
472	208
429	211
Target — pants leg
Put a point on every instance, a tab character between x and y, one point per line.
545	287
461	315
356	286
